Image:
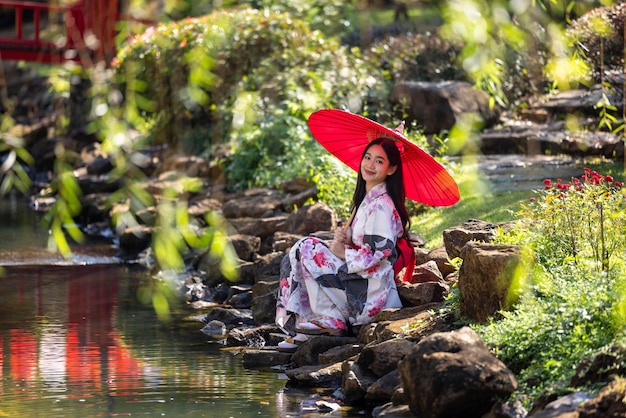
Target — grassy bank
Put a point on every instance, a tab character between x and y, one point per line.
477	202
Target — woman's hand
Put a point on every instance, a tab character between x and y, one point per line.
341	236
339	242
338	248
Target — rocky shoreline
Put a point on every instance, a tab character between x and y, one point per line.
420	360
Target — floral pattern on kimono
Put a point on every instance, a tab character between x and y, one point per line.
316	285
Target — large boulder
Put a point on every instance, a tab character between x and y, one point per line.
451	372
438	106
485	279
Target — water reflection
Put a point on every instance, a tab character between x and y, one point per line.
74	340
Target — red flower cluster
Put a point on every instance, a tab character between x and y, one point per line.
590	177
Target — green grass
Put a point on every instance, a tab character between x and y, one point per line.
498	207
477	202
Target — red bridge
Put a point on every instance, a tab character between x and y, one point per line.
84	32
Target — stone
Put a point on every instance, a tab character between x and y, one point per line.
416	294
440	256
263	306
311	218
259	358
456	237
316	375
426	272
485	279
438	106
340	353
254	203
454	371
383	357
383	390
245	245
356	379
309	351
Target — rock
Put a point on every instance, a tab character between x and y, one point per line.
382	358
438	106
242	300
565	407
229	316
254	203
440	256
391	410
316	375
283	241
256	359
214	329
309	351
262	336
426	272
246	246
267	267
608	404
416	294
456	237
356	379
340	353
452	372
260	227
485	279
311	218
298	200
601	368
383	390
263	306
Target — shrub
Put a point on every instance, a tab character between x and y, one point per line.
249	78
604	25
576	231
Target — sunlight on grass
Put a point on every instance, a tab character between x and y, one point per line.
479	201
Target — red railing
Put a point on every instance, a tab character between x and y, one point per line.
84	32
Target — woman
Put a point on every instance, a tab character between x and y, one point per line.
325	289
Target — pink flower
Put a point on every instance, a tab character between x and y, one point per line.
374	311
284	282
320	259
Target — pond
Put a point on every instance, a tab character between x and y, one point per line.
75	341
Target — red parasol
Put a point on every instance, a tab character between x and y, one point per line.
346	134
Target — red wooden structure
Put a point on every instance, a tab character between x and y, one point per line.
84	31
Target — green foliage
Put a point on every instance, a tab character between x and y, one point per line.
419	57
577	233
599	34
67	205
579	220
246	77
14	158
331	17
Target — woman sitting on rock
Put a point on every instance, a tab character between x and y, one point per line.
328	288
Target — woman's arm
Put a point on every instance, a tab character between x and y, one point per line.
377	229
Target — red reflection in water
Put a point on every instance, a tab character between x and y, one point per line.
73	344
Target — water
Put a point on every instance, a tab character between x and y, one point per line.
76	342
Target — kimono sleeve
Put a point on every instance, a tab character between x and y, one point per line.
379	239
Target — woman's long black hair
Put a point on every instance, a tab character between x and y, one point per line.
395	185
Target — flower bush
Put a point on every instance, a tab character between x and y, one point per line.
582	219
574	304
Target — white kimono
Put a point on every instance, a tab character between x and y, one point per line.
316	285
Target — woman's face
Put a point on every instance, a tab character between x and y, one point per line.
375	166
